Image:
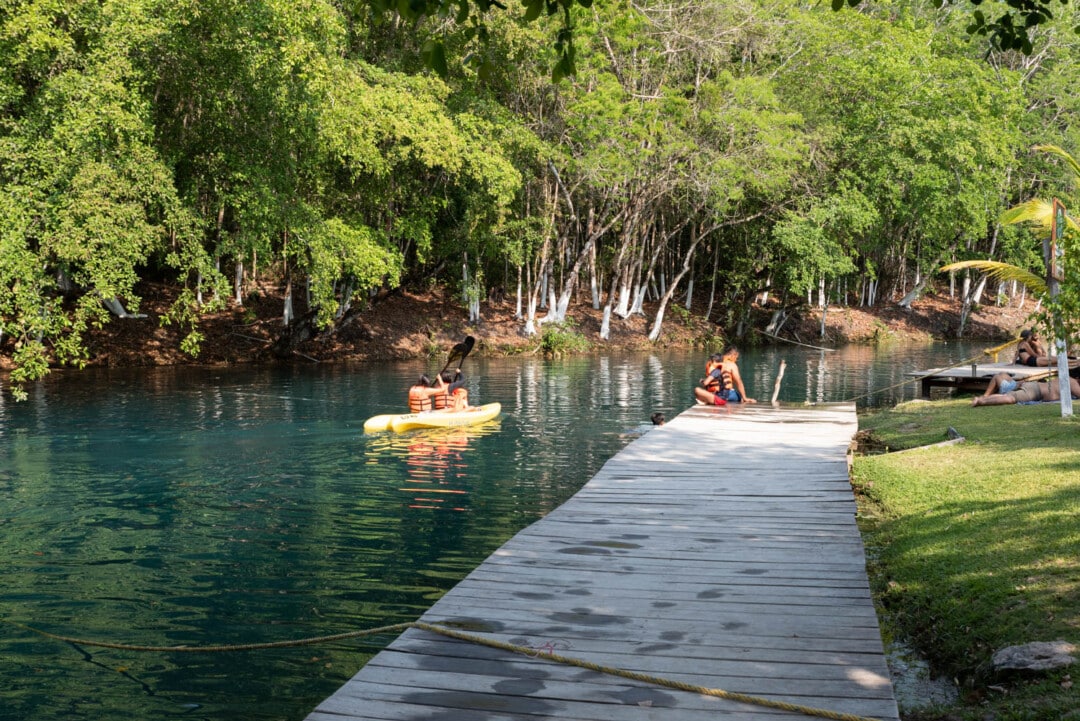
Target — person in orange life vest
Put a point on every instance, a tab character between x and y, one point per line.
710	384
456	397
422	396
723	384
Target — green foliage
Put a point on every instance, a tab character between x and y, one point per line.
682	314
339	251
1013	29
1061	312
819	242
562	338
152	140
975	544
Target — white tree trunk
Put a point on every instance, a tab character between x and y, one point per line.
688	261
517	310
622	310
238	282
117	308
594	284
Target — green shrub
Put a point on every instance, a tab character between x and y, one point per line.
562	338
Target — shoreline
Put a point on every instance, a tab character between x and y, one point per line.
405	324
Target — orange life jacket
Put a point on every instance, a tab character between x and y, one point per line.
711	383
420	399
461	398
715	384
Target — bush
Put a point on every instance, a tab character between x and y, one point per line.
560	338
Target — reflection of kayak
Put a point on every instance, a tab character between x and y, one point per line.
431	419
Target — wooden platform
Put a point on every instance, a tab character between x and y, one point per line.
975	376
719	550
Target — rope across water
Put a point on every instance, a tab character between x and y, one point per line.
471	638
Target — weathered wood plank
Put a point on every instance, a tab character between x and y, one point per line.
720	550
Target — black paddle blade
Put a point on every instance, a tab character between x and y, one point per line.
458	352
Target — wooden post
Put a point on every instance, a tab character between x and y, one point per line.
776	386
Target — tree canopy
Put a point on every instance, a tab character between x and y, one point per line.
719	156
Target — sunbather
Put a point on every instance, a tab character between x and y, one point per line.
1027	392
1029	351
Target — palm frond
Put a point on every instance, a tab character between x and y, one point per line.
1038	212
1034	211
1055	150
1003	272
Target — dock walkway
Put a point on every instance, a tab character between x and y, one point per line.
719	550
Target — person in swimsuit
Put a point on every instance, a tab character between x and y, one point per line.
1027	392
723	384
1000	383
1029	351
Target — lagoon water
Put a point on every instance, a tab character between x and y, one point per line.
166	507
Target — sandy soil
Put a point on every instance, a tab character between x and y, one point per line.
408	324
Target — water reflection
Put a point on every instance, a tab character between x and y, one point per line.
436	466
241	505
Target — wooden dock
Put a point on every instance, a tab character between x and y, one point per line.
719	551
975	376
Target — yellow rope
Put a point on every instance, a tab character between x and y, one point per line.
398	627
471	638
972	359
643	677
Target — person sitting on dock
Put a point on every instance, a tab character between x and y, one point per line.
723	384
1027	392
1029	352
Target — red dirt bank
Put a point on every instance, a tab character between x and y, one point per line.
406	324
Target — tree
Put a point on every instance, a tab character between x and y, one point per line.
1012	29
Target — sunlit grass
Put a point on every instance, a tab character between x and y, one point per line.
977	545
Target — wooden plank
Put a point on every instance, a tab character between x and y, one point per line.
720	550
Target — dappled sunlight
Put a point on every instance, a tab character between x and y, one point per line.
868	679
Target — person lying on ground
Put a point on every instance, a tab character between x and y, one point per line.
1028	392
1000	383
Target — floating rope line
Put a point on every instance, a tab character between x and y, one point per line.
218	649
480	640
972	359
644	677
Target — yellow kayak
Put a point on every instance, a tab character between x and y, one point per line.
432	419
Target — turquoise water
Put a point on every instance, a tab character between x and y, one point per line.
232	506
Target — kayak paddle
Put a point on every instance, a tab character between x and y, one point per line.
458	353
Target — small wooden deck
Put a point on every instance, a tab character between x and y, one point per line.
976	376
719	550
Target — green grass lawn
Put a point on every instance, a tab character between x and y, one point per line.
976	546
